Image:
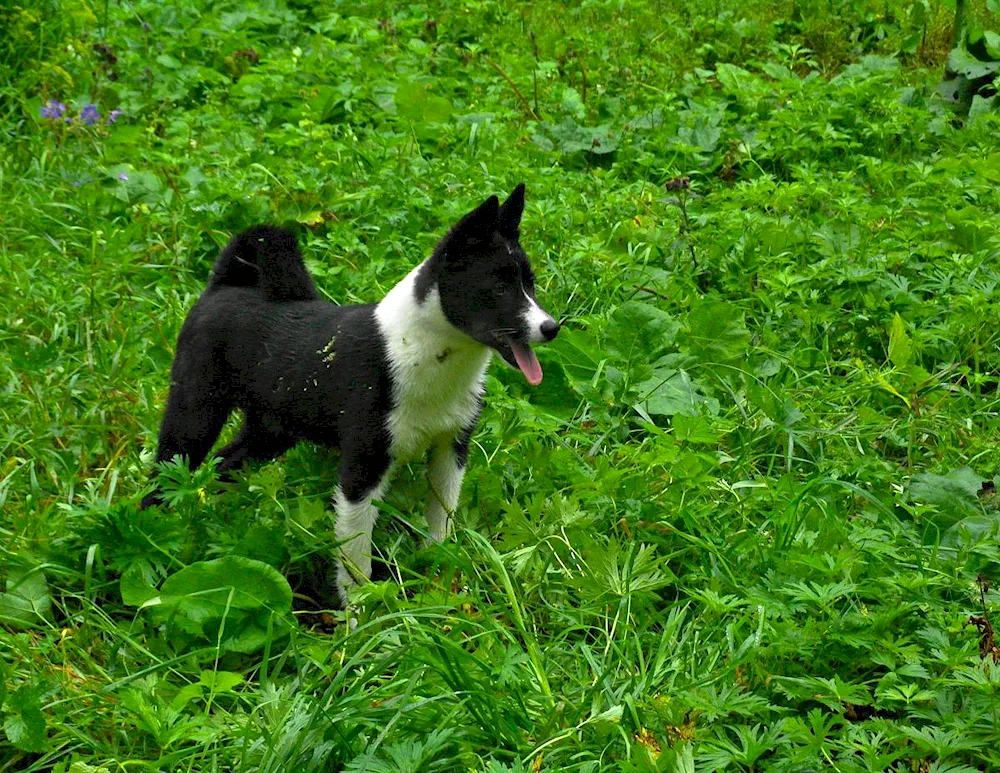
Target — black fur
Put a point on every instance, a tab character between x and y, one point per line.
240	349
268	258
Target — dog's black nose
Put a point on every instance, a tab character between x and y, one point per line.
549	329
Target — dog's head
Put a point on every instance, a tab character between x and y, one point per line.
486	285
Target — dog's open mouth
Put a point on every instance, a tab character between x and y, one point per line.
521	357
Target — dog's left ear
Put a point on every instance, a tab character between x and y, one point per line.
511	211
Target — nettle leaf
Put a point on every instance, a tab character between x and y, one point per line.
955	493
25	722
414	102
638	328
716	332
233	601
27	602
670	391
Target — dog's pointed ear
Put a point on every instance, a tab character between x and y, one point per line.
511	211
481	223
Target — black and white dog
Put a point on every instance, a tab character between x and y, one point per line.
382	382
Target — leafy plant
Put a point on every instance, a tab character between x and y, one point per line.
749	519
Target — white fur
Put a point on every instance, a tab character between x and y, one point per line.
534	317
445	476
437	370
355	521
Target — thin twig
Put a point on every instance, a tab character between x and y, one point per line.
520	96
653	292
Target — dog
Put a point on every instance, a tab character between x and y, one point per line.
383	382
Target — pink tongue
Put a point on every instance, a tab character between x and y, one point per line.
528	363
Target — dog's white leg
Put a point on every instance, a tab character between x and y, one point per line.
355	521
445	471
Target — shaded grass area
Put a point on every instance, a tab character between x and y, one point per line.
747	522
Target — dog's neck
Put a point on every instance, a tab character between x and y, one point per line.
419	328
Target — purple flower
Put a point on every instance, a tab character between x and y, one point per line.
53	109
113	115
122	176
89	114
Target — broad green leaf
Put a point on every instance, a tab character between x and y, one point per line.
568	137
741	83
982	106
264	543
716	333
25	722
964	63
415	102
975	528
27	602
969	227
900	347
572	103
955	494
642	330
238	599
83	767
694	429
992	40
254	584
136	586
670	392
220	681
580	354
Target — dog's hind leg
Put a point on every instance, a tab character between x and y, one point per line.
252	443
191	424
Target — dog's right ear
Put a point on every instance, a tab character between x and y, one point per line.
481	222
477	227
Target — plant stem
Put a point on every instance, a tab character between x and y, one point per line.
520	96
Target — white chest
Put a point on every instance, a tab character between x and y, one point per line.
437	371
435	398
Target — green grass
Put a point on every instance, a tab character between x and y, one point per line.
741	525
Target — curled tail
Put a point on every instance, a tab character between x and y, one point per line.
266	257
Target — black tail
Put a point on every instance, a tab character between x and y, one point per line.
266	257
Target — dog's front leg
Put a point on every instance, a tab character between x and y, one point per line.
445	471
362	479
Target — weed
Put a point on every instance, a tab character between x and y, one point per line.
748	522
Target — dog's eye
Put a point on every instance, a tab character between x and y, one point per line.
501	289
